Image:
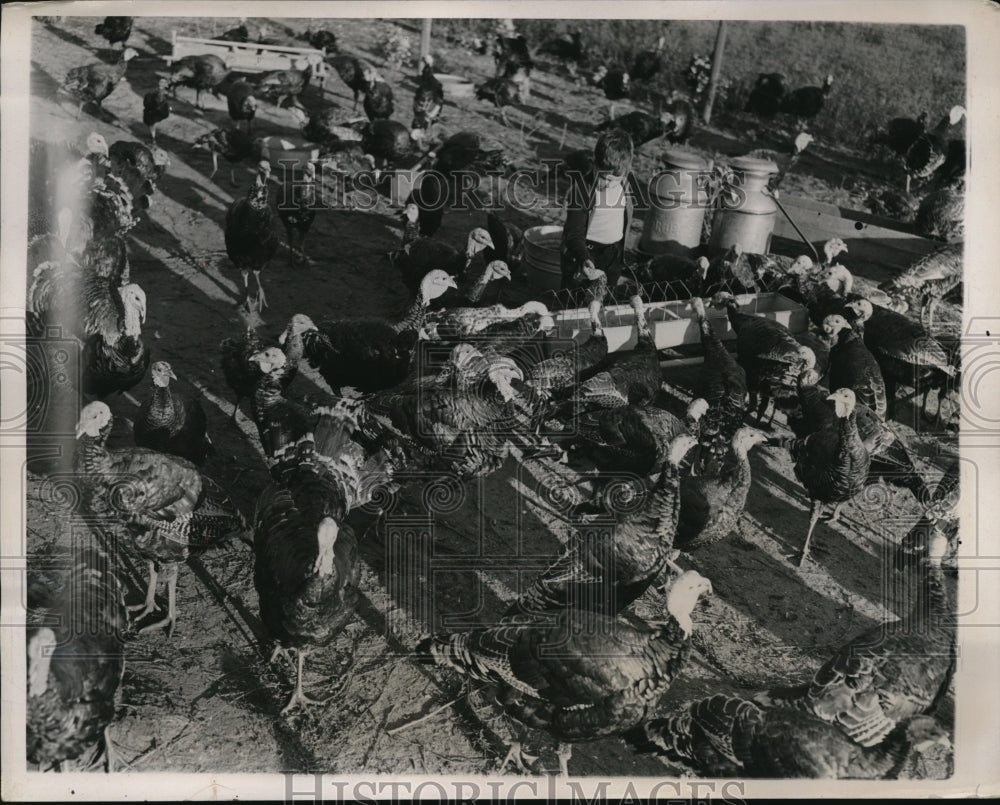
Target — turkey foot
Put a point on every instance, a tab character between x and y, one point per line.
835	516
169	621
299	696
517	756
261	299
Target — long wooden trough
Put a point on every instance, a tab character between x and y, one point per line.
871	239
251	57
673	323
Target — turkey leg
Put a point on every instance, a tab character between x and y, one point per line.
299	696
150	603
817	508
564	751
261	299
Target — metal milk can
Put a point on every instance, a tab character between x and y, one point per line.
678	198
749	217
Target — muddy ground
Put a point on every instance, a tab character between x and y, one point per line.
206	700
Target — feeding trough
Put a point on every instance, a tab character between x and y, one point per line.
250	57
456	86
674	323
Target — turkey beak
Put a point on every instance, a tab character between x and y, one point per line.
142	312
80	430
450	282
171	375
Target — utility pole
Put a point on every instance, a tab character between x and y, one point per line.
720	44
425	39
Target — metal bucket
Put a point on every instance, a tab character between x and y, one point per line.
542	257
750	219
674	221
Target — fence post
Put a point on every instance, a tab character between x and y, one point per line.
720	44
425	39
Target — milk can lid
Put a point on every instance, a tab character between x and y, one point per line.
682	158
753	165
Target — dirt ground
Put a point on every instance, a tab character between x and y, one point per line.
206	699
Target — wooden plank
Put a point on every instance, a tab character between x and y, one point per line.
249	57
866	242
808	204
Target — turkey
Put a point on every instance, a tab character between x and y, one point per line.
770	355
201	73
831	462
726	736
929	280
640	126
891	461
456	424
306	566
458	323
940	517
297	211
502	91
428	100
785	159
251	239
374	354
115	358
242	375
241	103
511	56
852	366
558	375
722	383
234	144
456	158
606	572
280	421
684	277
148	164
115	29
378	102
171	423
905	352
168	508
649	62
614	83
508	241
731	272
354	72
711	505
634	439
679	117
278	86
567	49
889	674
156	107
425	253
901	133
238	34
766	96
92	83
930	150
321	39
807	102
604	679
941	213
75	667
478	287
